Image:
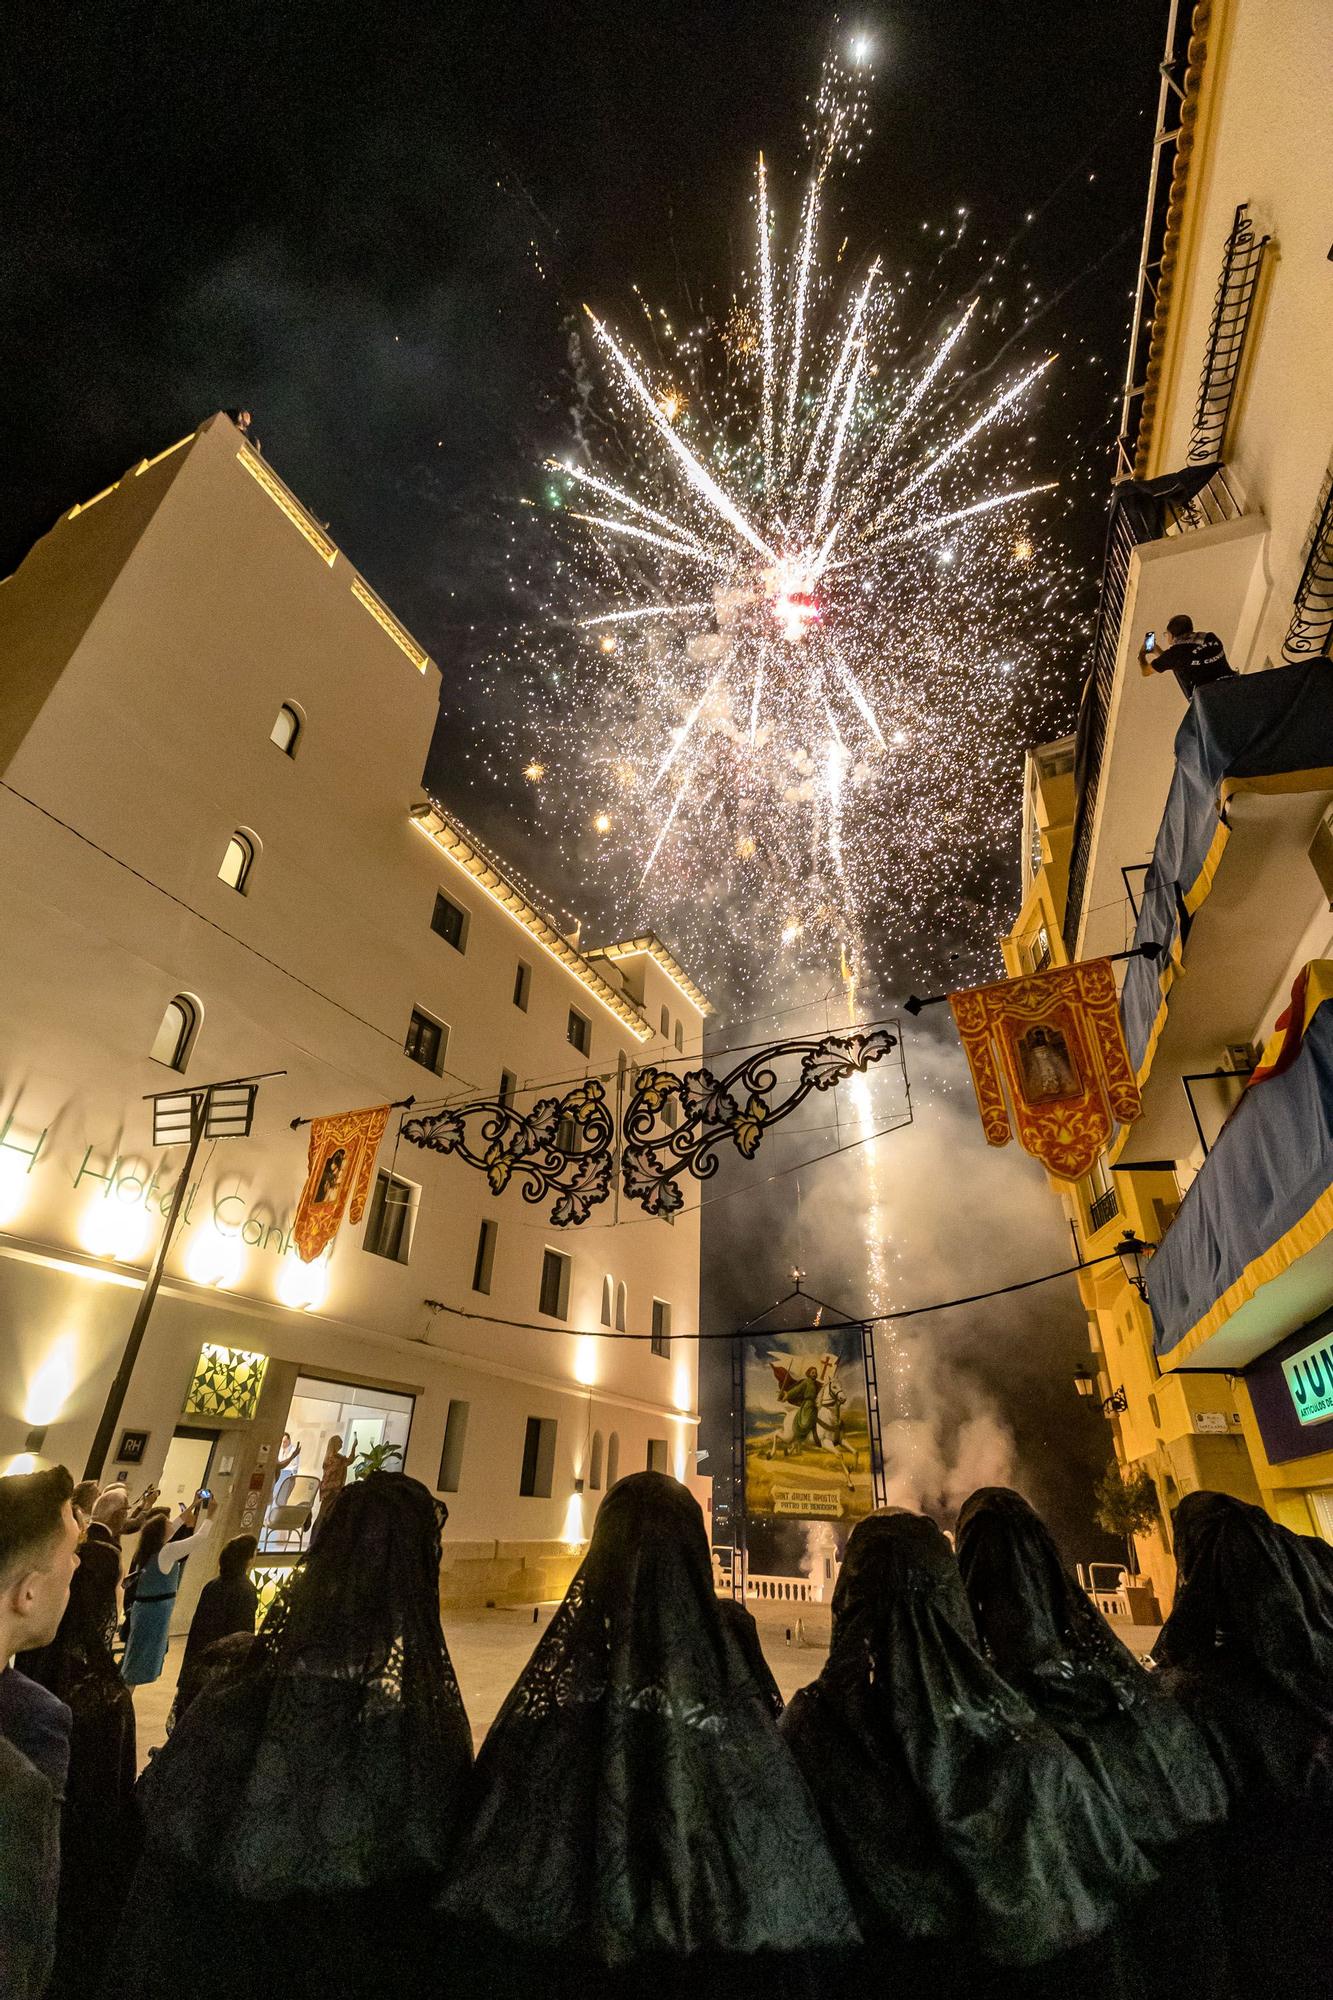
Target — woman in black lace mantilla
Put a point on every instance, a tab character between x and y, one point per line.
982	1856
1248	1650
1050	1642
298	1821
638	1825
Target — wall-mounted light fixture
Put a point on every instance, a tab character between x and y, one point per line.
1134	1254
36	1438
1085	1382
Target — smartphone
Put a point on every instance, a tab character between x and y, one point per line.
205	1494
1150	643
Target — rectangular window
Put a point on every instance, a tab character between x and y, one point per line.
538	1458
450	923
392	1218
485	1262
661	1338
508	1086
657	1455
455	1437
580	1031
427	1041
554	1300
522	985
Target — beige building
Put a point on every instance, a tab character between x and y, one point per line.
219	863
1206	828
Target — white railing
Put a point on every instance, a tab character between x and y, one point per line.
781	1589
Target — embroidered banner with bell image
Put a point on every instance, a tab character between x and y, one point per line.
1062	1081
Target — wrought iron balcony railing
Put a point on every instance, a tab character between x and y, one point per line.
1102	1210
1311	630
1242	261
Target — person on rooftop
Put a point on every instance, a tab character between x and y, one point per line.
1195	658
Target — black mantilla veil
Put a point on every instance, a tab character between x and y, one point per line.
1039	1629
634	1804
336	1757
960	1817
1254	1599
1248	1649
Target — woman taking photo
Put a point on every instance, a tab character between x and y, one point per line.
152	1584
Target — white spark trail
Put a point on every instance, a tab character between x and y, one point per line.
643	611
754	703
685	730
839	440
623	499
804	263
835	383
647	535
857	694
936	521
964	439
926	377
701	480
766	321
685	784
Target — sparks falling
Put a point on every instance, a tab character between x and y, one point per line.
802	538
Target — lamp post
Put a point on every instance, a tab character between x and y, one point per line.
1086	1385
1134	1254
180	1117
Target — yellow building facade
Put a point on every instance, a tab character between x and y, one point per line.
1205	826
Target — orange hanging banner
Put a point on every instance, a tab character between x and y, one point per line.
1062	1062
342	1157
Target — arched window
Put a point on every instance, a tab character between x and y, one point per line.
238	860
612	1459
287	728
595	1463
606	1301
620	1307
680	1034
175	1037
666	1024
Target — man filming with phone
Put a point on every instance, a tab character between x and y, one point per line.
1195	658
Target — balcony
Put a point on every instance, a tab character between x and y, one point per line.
1177	542
1248	1259
1102	1210
1230	894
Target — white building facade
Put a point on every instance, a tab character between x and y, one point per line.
220	864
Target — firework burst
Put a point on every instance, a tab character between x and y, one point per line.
795	582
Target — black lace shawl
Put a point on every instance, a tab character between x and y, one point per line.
1040	1630
955	1811
746	1634
1249	1643
633	1799
335	1759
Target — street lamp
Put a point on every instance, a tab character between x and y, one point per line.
1085	1383
1134	1255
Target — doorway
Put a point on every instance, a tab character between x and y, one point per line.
185	1468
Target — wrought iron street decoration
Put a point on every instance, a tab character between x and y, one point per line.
563	1146
736	1109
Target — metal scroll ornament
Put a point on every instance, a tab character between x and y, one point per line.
736	1109
563	1146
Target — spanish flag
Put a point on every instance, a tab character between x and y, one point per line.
342	1157
1062	1058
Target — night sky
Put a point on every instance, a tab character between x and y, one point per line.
371	227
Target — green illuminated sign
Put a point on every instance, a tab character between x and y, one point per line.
1309	1377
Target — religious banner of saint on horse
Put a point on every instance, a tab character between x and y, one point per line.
807	1427
341	1160
1063	1060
